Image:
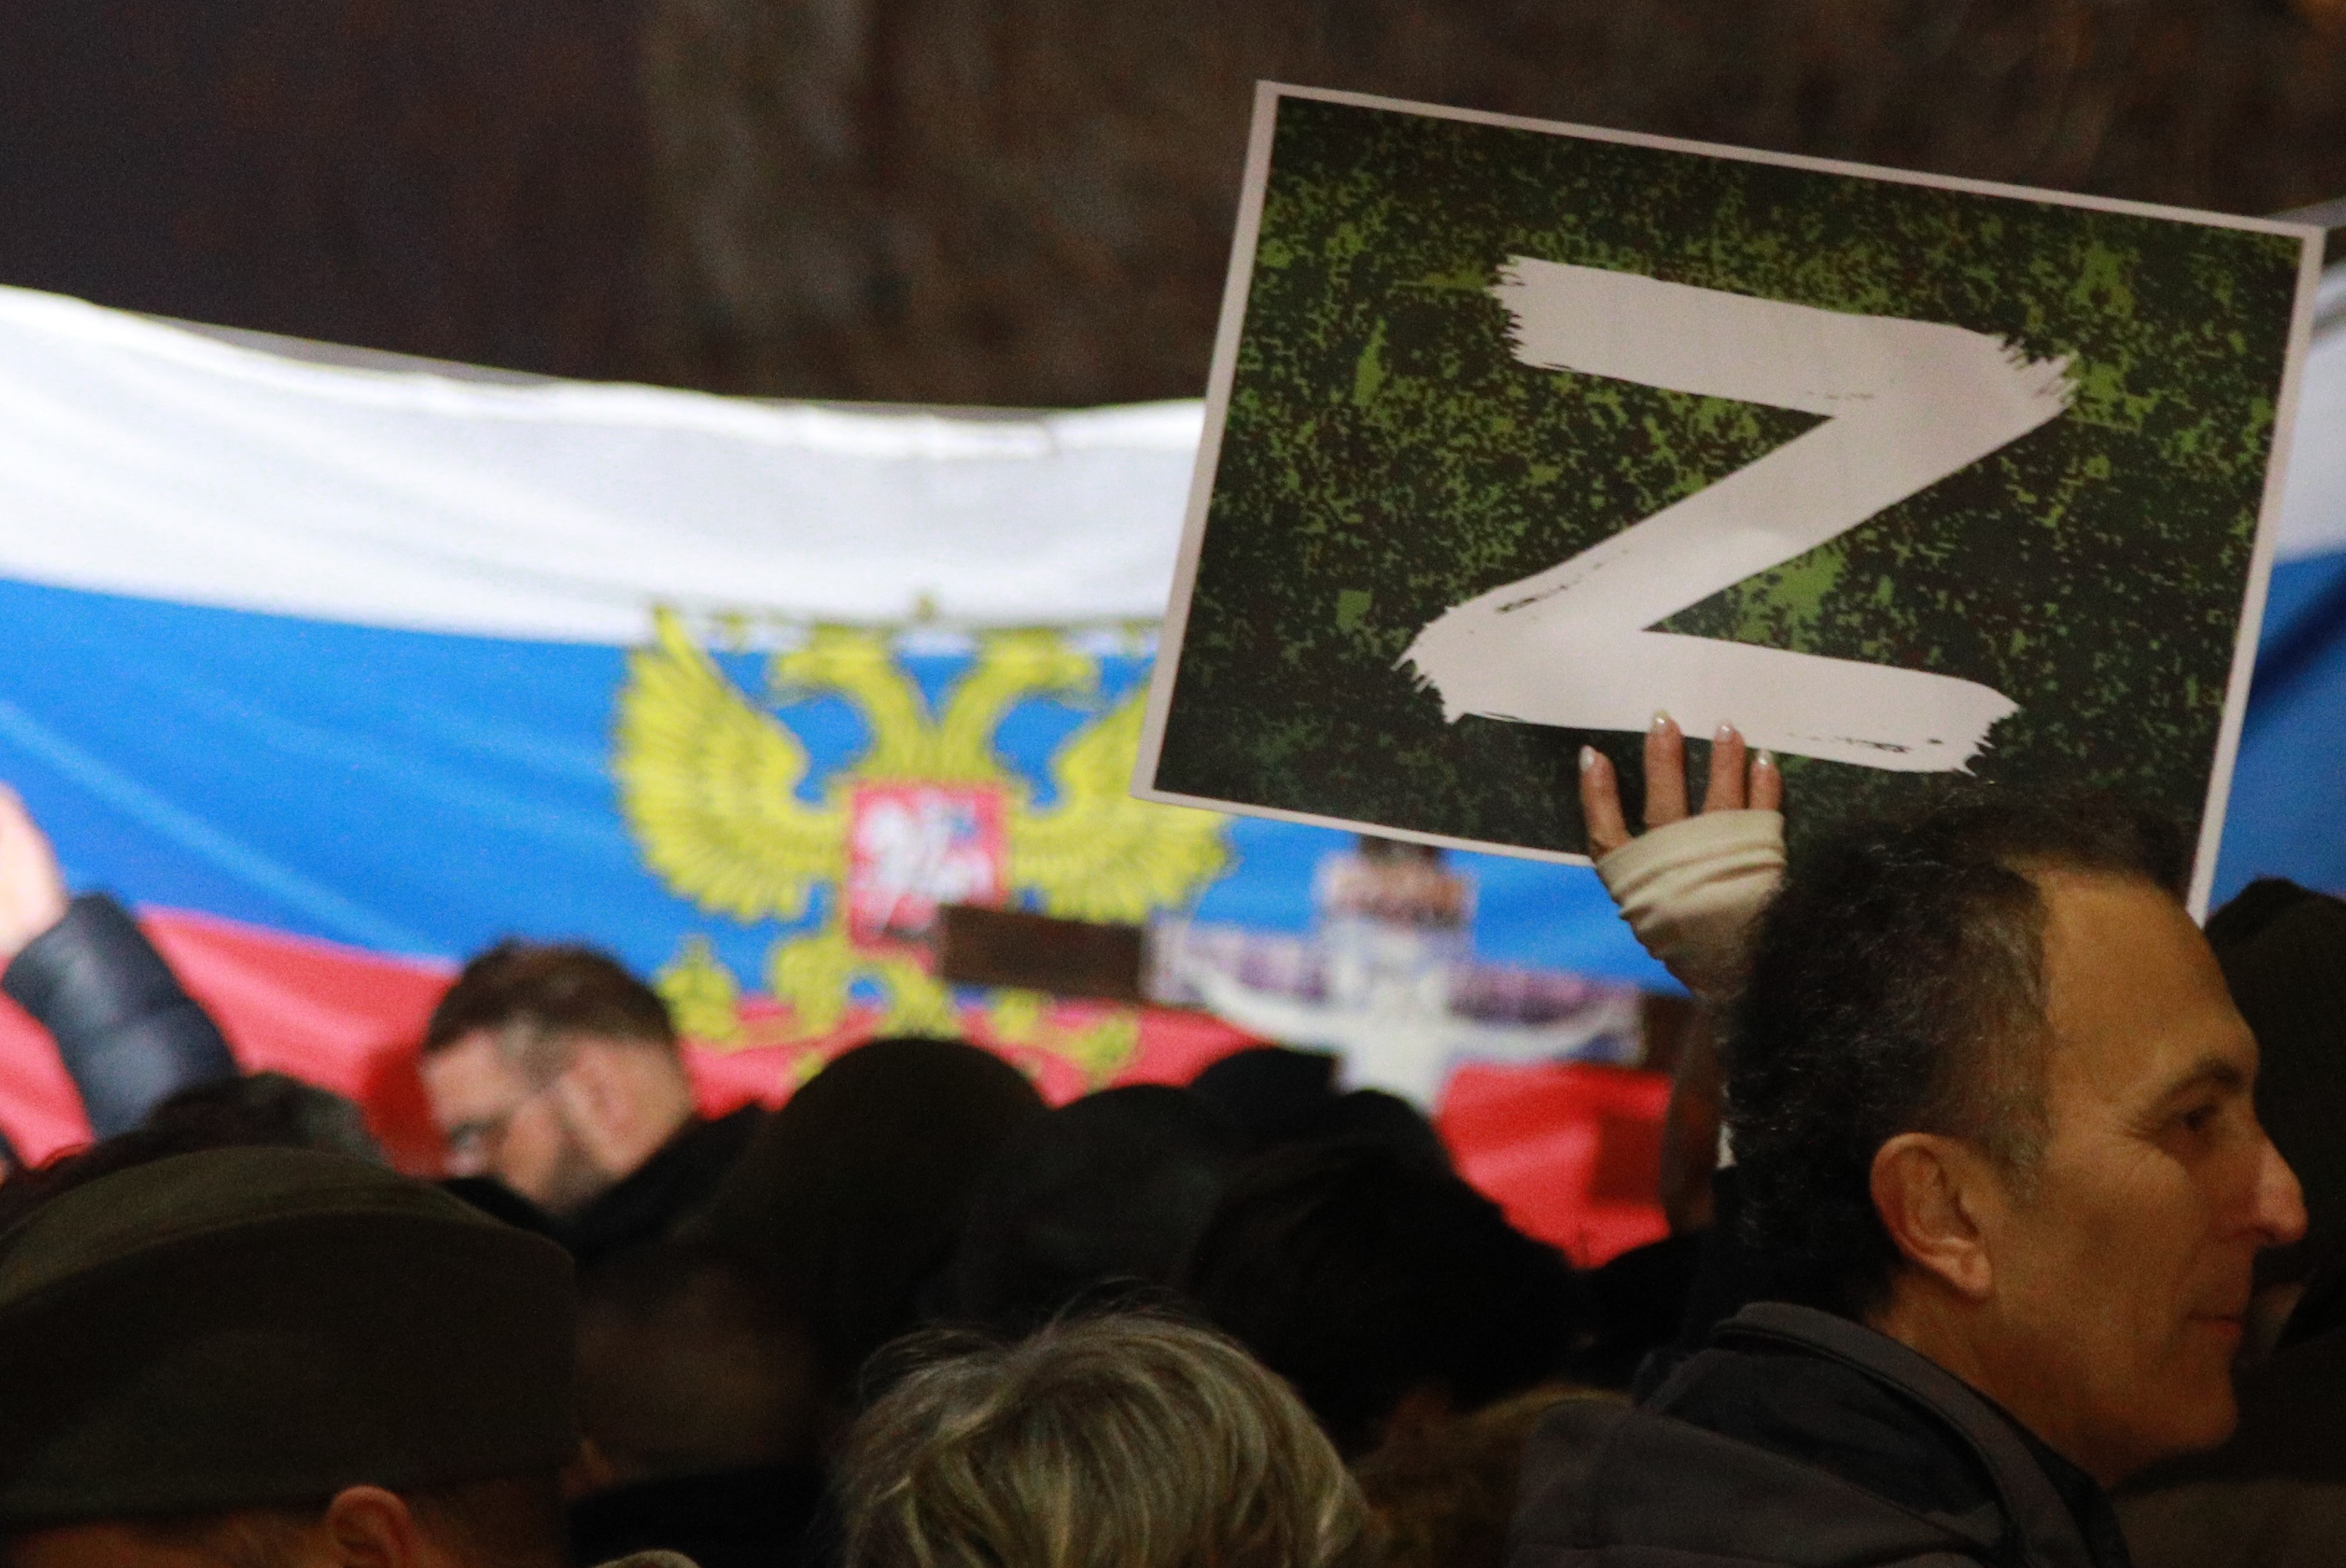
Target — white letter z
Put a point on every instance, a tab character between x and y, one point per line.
1908	403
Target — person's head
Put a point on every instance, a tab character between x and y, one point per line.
2283	952
1279	1097
553	1070
276	1356
1442	1496
1987	1091
253	1110
849	1199
686	1367
1128	1439
514	1522
1108	1190
266	1109
1385	1288
2283	949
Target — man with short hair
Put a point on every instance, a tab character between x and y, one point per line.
555	1072
1991	1111
274	1356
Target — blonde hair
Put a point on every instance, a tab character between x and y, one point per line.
1115	1441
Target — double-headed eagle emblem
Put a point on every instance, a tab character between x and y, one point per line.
717	790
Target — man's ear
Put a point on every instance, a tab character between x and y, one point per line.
367	1527
1926	1190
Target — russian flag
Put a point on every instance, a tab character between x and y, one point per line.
324	660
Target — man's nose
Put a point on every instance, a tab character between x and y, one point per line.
2279	1200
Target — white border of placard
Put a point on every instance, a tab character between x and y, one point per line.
1267	95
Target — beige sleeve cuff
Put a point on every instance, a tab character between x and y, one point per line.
1691	890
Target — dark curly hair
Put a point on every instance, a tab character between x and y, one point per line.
1897	985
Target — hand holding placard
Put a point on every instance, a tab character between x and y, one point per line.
1691	886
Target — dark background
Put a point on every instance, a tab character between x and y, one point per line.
1020	202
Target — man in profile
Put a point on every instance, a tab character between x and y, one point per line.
1991	1111
555	1073
275	1356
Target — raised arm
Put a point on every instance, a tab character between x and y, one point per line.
1691	884
129	1034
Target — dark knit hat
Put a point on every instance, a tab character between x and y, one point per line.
248	1326
2284	952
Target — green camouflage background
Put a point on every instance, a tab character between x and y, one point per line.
1385	457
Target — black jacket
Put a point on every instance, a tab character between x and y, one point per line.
1804	1439
2272	1497
130	1037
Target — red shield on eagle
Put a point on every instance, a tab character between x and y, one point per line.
912	847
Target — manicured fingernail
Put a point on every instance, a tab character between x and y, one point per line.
1587	758
1722	735
1764	759
1661	721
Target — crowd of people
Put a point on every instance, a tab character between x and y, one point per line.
2024	1248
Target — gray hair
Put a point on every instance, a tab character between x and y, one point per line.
1130	1439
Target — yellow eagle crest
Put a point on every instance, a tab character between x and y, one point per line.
715	787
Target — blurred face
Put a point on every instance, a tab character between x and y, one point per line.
498	1121
2121	1268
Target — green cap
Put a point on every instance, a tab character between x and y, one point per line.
254	1326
